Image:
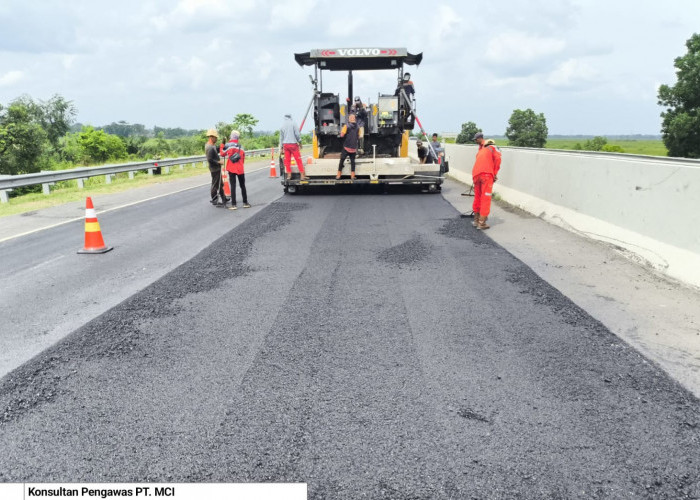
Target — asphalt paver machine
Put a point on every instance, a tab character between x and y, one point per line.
384	158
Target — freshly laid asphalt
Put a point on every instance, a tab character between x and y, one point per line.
372	346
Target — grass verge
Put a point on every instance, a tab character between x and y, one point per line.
67	191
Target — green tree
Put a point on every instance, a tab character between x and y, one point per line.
124	129
173	133
467	133
156	148
244	123
133	143
57	115
186	146
612	148
24	144
680	126
527	129
224	129
595	144
90	146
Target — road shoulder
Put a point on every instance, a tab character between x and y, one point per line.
656	315
17	225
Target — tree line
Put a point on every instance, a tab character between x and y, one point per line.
680	126
38	135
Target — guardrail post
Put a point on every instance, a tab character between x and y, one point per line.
108	178
46	186
5	193
131	174
167	170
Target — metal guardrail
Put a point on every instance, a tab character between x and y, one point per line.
47	178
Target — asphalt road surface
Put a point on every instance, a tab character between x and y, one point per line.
372	346
47	289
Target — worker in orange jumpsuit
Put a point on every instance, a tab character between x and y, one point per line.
484	174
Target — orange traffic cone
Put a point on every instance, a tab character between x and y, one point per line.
224	179
93	236
273	169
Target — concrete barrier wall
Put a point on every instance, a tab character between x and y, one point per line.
648	206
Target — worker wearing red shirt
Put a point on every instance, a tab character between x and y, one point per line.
484	174
235	159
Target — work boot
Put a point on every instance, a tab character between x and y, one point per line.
482	223
475	222
289	176
352	176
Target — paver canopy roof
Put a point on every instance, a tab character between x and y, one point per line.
358	58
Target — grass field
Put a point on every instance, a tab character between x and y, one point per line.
67	191
649	147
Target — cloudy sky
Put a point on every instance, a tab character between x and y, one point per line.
591	66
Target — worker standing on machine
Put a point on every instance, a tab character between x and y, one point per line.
350	132
406	84
359	109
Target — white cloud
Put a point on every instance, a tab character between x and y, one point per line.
443	26
178	73
11	78
68	61
517	53
573	74
346	27
220	45
194	7
202	16
288	13
264	64
190	63
160	23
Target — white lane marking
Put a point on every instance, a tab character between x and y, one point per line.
102	212
110	209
